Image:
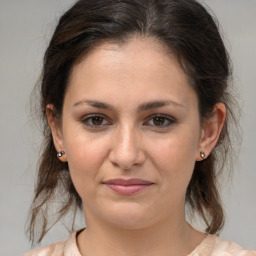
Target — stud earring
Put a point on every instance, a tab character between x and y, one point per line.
60	154
202	154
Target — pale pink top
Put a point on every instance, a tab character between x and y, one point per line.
210	246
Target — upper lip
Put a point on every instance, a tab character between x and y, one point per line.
127	182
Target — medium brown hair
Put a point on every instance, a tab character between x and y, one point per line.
191	34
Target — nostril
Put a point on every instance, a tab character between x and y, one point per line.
121	166
115	164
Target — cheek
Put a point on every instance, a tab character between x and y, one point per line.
86	155
175	148
174	157
82	148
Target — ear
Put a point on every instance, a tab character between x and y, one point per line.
211	130
57	136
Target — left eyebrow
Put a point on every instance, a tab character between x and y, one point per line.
143	107
157	104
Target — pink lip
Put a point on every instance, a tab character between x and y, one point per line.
127	187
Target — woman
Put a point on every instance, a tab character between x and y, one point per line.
136	104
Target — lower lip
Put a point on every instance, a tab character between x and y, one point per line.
128	189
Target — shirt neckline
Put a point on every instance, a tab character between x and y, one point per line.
204	248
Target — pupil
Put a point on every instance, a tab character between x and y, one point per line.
159	120
97	120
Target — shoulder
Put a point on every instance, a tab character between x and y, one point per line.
215	246
68	247
56	249
230	248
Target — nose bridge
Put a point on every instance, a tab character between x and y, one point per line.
126	138
127	148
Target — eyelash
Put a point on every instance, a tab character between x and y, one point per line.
166	118
86	119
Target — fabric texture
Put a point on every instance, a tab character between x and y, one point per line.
210	246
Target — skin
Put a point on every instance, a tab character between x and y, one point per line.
129	143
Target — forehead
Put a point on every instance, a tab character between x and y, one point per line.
139	67
133	51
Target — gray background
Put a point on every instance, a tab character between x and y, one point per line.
25	28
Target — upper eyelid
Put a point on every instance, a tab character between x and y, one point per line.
94	115
162	115
168	117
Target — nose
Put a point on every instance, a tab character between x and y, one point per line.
127	149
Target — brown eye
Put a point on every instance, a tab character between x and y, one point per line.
97	120
160	121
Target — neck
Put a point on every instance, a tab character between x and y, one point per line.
165	238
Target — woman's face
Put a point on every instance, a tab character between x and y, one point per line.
131	132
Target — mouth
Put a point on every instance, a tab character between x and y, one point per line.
127	187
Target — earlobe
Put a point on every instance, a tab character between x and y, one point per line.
212	128
56	132
202	154
62	156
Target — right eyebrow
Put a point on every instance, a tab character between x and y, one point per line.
95	104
